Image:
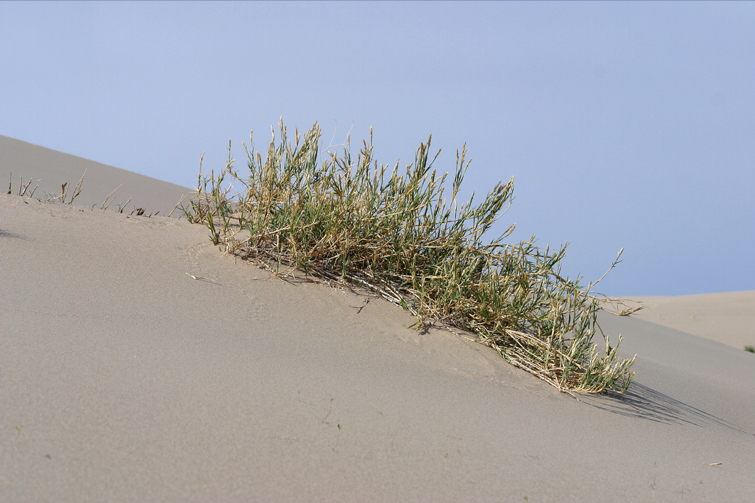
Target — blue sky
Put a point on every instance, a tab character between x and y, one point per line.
624	124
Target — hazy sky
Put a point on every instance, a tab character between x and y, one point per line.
625	124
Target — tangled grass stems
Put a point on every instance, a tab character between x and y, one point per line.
351	221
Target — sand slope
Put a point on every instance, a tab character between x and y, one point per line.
122	378
50	168
728	318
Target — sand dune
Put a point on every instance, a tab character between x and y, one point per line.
50	168
728	318
138	363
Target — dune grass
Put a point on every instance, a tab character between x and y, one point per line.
63	197
351	222
23	190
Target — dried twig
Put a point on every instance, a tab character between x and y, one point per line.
107	202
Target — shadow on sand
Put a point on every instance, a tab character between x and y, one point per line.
646	403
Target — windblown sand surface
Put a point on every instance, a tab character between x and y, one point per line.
138	363
728	318
49	169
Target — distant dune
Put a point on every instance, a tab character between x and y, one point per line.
139	363
728	318
50	168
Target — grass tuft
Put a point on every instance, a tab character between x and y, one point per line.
750	349
349	221
23	187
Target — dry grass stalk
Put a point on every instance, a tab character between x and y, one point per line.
107	202
122	207
177	206
23	187
348	221
76	190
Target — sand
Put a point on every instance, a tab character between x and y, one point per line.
728	318
49	169
123	378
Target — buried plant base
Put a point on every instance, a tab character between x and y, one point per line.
348	221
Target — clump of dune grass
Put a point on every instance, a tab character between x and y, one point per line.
750	349
350	221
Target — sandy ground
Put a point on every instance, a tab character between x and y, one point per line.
48	169
124	378
728	318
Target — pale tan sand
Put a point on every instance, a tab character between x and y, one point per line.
122	378
728	318
50	169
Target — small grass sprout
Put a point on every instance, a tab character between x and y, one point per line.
750	349
348	221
